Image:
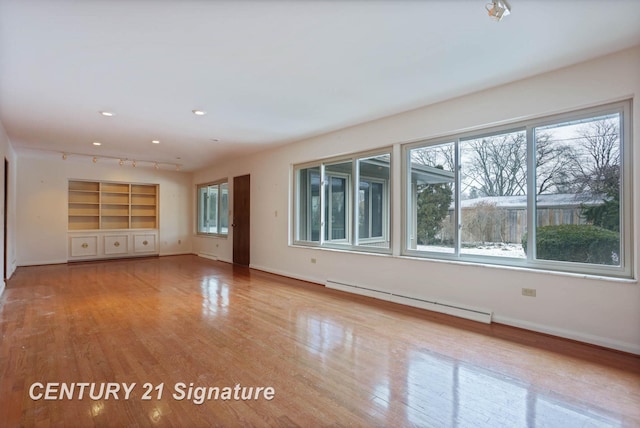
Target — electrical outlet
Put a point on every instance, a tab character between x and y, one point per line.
529	292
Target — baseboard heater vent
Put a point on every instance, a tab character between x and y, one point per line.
208	255
475	314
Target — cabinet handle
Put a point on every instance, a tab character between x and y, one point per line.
145	242
116	244
85	245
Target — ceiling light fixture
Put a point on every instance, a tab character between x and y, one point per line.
97	143
498	9
199	112
155	141
107	113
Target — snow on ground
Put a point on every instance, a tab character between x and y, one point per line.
495	249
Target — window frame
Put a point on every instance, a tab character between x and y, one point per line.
625	270
385	203
218	184
352	241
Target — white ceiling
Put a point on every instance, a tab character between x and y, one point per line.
267	72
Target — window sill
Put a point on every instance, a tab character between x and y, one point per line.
477	264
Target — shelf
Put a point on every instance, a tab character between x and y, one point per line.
143	189
143	222
83	222
143	210
84	210
84	197
114	198
114	222
143	199
115	210
109	205
84	186
114	188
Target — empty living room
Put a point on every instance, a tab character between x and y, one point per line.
320	213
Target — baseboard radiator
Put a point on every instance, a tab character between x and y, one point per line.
208	255
475	314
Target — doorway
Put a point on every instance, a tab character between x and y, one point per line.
241	219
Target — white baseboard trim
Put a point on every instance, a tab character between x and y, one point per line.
569	334
2	287
180	253
208	256
455	309
42	262
213	257
288	274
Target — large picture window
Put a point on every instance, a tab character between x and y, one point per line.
213	208
552	193
344	203
548	193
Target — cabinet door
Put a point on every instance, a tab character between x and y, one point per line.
116	244
84	246
144	243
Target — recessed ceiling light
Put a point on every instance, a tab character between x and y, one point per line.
107	113
155	141
199	112
97	143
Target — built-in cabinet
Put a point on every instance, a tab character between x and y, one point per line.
110	219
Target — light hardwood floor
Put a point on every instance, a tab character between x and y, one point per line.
332	359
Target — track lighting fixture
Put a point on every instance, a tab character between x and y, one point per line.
121	161
498	9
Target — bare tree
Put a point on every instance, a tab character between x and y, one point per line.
436	156
495	166
596	166
552	158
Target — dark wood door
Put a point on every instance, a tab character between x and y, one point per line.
241	211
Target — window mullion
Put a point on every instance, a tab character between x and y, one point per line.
531	194
323	186
218	205
457	212
355	203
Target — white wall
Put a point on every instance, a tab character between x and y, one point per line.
595	310
7	152
42	186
